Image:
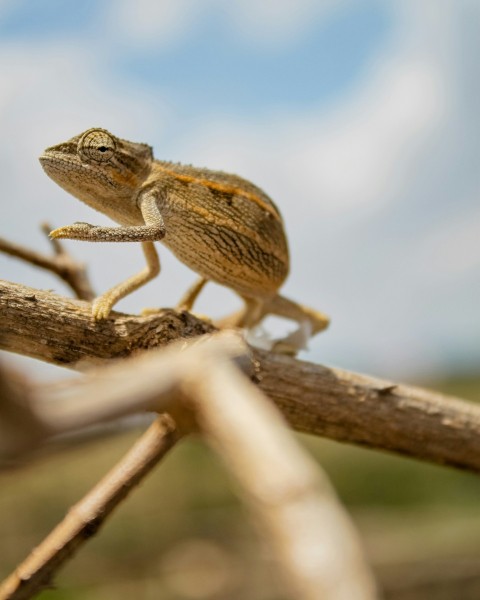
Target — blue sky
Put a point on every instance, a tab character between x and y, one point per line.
210	66
227	74
359	117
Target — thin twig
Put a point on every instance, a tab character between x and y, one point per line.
62	264
85	518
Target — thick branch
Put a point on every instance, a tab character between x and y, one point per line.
373	412
289	497
315	399
84	519
310	534
149	382
62	331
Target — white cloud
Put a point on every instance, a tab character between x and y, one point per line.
269	23
277	23
42	102
354	157
452	250
358	155
157	23
52	90
340	177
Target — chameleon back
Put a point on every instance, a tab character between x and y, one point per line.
224	228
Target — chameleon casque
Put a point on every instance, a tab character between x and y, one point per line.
220	225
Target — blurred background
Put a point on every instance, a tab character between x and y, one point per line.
361	119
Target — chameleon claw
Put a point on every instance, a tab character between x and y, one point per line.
101	308
76	231
57	233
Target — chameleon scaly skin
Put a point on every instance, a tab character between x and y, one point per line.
220	225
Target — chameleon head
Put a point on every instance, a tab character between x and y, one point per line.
98	168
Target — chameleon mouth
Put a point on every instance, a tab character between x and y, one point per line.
55	161
59	167
52	165
48	158
48	162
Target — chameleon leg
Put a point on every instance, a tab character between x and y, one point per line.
188	299
255	310
310	321
283	307
247	317
103	304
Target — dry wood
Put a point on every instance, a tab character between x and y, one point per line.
315	399
315	544
148	382
61	331
291	499
62	264
84	519
294	503
372	412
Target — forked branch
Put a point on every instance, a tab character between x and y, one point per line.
293	503
61	263
315	399
201	389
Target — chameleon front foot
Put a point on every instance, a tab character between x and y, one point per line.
76	231
101	308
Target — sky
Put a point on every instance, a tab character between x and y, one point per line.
360	118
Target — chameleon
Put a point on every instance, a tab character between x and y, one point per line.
220	225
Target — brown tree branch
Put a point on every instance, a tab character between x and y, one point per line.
372	412
314	399
148	382
316	546
85	518
61	330
62	264
298	511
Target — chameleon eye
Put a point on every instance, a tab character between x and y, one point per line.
96	145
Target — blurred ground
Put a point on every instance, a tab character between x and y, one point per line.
184	535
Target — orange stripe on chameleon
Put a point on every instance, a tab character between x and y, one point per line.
129	179
220	187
